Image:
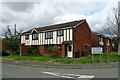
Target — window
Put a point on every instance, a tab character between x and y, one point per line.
27	36
46	48
49	35
59	47
60	33
34	35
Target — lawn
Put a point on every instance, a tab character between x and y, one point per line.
106	57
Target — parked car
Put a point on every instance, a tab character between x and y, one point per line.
4	54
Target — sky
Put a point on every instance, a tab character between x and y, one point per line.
30	14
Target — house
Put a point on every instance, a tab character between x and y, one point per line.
70	39
99	40
3	51
2	46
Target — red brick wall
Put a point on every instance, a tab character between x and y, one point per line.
22	48
59	53
105	45
41	49
95	40
82	36
110	41
2	46
63	51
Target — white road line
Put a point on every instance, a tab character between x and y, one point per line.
85	76
81	76
56	74
68	75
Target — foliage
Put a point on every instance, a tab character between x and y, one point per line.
30	50
51	49
12	40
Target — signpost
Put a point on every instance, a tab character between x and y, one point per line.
97	50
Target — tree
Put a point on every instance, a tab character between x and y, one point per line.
12	40
113	25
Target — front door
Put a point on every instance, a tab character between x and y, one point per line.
69	51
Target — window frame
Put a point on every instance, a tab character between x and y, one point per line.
49	35
26	36
35	34
61	32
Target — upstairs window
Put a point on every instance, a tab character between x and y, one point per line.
49	35
27	36
34	35
60	33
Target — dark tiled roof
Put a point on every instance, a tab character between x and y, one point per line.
99	34
56	26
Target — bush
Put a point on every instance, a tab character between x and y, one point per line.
51	49
30	50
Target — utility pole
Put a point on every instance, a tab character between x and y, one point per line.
15	30
119	28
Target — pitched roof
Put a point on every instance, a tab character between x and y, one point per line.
56	26
102	35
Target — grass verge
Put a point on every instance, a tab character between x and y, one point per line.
106	57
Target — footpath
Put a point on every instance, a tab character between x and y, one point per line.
64	66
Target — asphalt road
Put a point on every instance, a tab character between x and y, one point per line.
17	71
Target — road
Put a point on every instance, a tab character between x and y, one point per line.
17	71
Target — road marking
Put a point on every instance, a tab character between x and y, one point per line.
68	75
57	74
86	76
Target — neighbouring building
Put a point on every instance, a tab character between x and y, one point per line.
71	39
2	46
99	40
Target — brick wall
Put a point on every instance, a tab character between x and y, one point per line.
95	40
105	45
82	37
22	48
111	47
58	53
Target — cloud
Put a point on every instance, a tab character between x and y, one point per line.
28	15
19	6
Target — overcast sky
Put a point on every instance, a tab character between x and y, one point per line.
28	15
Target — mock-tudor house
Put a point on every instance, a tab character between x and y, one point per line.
71	39
99	40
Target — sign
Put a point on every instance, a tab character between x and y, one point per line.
97	50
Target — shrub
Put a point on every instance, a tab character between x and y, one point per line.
30	50
51	49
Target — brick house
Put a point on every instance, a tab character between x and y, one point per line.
71	39
2	46
99	40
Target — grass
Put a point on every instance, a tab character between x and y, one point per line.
106	57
